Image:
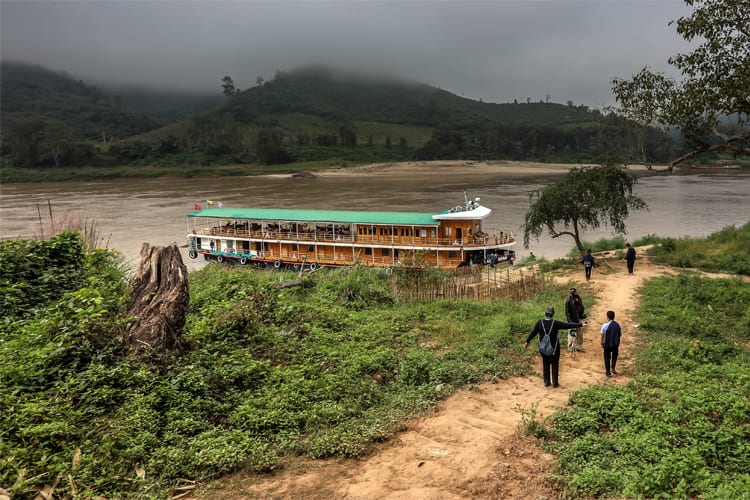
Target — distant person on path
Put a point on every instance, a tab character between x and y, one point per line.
550	364
589	262
630	257
611	333
574	313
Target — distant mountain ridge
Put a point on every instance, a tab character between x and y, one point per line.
309	114
29	92
324	92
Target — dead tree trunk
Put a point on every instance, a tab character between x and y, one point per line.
159	300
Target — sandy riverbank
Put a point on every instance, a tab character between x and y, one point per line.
452	167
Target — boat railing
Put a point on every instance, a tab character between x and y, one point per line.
479	240
338	259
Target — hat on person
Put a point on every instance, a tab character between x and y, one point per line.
549	311
572	290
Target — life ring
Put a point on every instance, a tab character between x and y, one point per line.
193	254
313	266
277	264
243	260
388	270
220	259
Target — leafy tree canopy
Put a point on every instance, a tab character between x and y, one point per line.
715	85
586	198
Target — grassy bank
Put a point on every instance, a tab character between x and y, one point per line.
331	367
322	370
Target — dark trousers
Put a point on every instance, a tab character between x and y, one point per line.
631	263
588	272
610	358
550	367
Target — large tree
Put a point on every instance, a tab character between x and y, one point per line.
586	198
710	105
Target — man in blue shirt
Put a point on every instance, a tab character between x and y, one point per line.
611	333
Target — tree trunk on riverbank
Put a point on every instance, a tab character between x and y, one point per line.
159	300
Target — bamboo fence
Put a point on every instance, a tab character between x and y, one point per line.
480	283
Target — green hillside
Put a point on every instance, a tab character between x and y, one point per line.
52	119
316	113
312	114
32	92
325	93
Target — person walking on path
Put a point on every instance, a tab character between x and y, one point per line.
574	313
589	262
550	326
630	257
611	333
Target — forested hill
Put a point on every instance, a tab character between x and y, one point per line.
318	113
323	92
33	93
311	114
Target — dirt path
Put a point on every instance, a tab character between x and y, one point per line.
472	446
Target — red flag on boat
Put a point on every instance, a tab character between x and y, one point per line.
196	207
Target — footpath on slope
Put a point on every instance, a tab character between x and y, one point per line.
473	445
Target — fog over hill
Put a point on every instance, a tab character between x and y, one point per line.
493	51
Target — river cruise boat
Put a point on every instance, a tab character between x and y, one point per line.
280	238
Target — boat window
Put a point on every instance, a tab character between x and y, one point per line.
432	233
448	231
385	252
294	247
452	254
423	233
368	251
310	248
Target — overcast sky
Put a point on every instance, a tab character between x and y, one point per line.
496	51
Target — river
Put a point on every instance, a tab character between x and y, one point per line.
129	212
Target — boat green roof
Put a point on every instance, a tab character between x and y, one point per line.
340	216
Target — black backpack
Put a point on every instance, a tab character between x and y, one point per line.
545	343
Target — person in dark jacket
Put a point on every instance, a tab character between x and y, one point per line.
550	326
630	257
611	333
574	312
589	262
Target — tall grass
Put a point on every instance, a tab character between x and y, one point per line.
727	250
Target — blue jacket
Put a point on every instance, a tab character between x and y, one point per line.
611	334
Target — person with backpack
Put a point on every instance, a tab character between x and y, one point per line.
611	333
549	344
574	312
589	262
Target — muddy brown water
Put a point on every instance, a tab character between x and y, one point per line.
128	213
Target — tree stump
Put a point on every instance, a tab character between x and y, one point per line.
159	300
